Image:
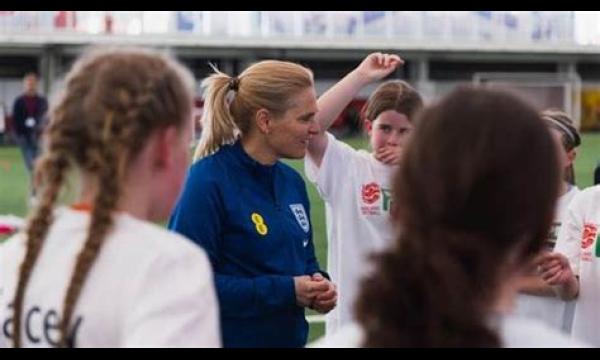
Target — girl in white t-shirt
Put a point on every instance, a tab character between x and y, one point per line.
99	273
468	220
537	299
356	184
573	269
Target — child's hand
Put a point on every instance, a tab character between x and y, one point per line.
554	268
389	155
377	65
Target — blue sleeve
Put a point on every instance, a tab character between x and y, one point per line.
254	297
200	215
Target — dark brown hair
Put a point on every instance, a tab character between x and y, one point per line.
113	100
466	216
395	95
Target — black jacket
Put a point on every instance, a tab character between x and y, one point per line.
20	114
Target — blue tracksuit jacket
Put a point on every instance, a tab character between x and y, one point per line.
254	223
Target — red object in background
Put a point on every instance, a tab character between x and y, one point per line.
108	23
9	124
6	229
198	106
65	19
355	105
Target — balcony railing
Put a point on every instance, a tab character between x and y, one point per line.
475	29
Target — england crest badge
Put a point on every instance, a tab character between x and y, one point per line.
301	217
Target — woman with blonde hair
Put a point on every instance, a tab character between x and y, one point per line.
250	211
99	273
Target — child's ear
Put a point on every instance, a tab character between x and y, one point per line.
571	155
164	142
368	126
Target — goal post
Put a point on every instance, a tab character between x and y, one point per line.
542	90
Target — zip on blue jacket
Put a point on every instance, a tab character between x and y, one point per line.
254	222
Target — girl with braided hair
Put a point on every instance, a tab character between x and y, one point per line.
98	273
467	222
537	299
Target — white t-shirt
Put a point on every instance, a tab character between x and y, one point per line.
356	189
550	309
515	332
578	241
147	288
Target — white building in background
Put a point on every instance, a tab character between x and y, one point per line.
433	26
441	48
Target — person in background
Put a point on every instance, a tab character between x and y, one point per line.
29	111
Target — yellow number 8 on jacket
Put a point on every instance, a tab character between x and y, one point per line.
259	223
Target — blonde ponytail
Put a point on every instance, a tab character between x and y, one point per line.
268	84
219	126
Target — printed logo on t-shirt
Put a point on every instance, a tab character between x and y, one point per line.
590	232
301	217
41	326
259	224
371	193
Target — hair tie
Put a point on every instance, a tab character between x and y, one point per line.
234	83
568	130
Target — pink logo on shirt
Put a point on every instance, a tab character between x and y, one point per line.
590	231
370	193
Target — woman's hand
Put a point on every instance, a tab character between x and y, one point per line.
326	300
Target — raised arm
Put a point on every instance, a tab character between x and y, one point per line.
374	67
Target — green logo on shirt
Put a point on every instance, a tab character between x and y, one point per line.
387	199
